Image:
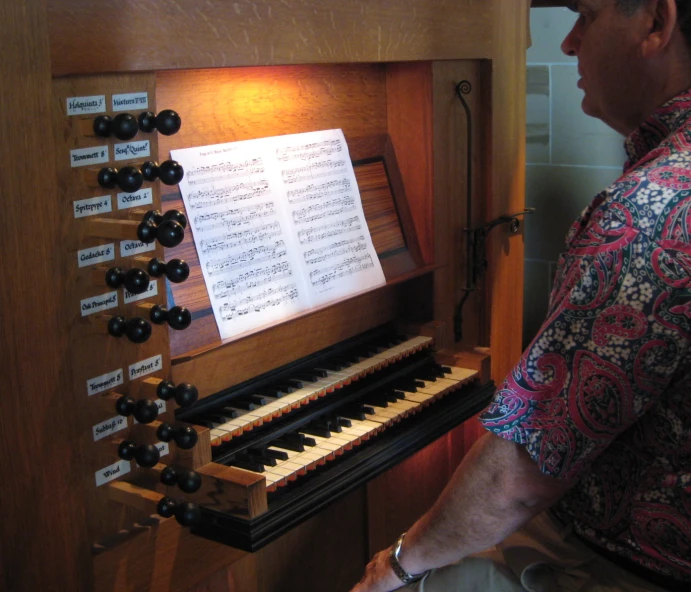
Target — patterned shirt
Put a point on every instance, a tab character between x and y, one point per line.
603	392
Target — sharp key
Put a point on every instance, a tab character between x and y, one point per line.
344	421
242	404
261	457
247	464
230	412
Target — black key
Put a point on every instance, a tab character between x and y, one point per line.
428	375
242	404
294	382
273	392
345	422
315	430
277	454
352	413
246	463
391	397
310	441
419	383
289	445
310	376
321	372
399	394
376	400
367	409
258	400
230	413
446	370
260	456
217	418
287	388
333	365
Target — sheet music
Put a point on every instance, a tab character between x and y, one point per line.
278	225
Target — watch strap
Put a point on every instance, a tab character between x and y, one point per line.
394	560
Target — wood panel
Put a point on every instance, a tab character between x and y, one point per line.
41	499
504	282
215	33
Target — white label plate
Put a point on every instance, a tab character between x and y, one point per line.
124	102
86	105
95	255
108	427
112	472
138	198
145	367
96	304
130	150
105	382
88	156
130	247
92	206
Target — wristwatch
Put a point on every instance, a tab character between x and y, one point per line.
402	574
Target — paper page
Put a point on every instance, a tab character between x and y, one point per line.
278	225
325	215
240	236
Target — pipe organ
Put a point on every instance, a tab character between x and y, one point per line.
143	451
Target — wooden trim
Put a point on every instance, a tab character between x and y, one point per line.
217	33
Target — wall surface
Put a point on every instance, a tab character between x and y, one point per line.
570	157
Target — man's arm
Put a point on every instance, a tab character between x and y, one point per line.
495	490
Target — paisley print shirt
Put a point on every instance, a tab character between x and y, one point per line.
603	392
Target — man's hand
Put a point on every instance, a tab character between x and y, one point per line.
379	577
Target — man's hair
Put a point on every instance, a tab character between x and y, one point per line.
683	14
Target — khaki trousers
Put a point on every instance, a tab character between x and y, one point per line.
543	556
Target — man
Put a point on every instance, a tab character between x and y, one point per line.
594	422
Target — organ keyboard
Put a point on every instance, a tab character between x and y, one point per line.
325	424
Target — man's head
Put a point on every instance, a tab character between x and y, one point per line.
632	56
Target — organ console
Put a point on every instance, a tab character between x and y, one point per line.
143	452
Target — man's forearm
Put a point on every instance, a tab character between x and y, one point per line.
496	489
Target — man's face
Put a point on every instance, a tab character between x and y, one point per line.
606	42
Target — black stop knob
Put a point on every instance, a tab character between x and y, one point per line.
170	233
185	437
165	432
170	172
177	271
169	476
124	406
108	177
165	390
145	411
179	318
130	179
124	126
138	330
146	231
149	170
176	215
147	121
156	267
185	394
168	122
102	126
154	216
189	481
117	326
127	450
166	507
188	514
147	455
136	281
115	276
158	314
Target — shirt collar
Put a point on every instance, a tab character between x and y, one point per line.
661	124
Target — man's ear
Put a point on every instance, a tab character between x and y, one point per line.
662	26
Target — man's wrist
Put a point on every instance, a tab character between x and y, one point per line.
398	569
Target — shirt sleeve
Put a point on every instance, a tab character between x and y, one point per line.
616	332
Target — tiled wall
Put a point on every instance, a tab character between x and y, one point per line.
570	157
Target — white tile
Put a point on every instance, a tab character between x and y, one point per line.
559	194
576	137
537	115
548	28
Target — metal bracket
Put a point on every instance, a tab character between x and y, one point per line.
477	238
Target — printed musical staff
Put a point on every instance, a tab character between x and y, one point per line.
271	297
309	151
222	171
327	209
206	198
346	268
259	234
229	219
310	235
314	171
319	191
334	250
252	256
